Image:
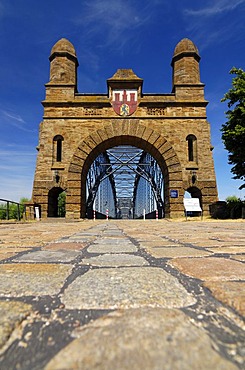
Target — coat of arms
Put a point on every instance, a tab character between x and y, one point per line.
124	102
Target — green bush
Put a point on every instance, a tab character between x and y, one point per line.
234	206
3	211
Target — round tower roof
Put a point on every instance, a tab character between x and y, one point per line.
63	46
185	46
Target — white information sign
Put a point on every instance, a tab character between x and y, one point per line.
192	205
37	213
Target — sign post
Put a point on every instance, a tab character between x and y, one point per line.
157	214
192	205
37	213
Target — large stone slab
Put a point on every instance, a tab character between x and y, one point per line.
210	268
6	255
158	243
11	314
49	256
111	247
38	233
6	252
81	239
29	279
111	233
126	287
229	292
142	236
239	257
4	249
115	260
228	250
112	240
65	246
175	252
141	339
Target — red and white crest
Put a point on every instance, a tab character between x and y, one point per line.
124	102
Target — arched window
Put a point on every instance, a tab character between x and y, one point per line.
57	148
192	148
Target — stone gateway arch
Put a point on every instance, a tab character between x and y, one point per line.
78	127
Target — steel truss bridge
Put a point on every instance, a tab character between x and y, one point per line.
125	182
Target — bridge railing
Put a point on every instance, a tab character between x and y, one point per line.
10	210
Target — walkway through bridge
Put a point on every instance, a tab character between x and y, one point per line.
125	182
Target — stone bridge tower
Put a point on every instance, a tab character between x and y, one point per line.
77	127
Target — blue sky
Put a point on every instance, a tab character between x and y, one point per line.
107	35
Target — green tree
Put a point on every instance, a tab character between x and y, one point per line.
233	131
62	204
3	212
232	199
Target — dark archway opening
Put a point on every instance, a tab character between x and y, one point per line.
56	202
195	193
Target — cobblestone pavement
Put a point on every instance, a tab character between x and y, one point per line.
122	295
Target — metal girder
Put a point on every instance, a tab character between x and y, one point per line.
124	166
149	170
96	174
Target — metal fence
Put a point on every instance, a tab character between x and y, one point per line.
10	210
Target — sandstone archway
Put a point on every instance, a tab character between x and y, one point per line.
123	132
86	124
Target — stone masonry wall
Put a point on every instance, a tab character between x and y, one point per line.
160	125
